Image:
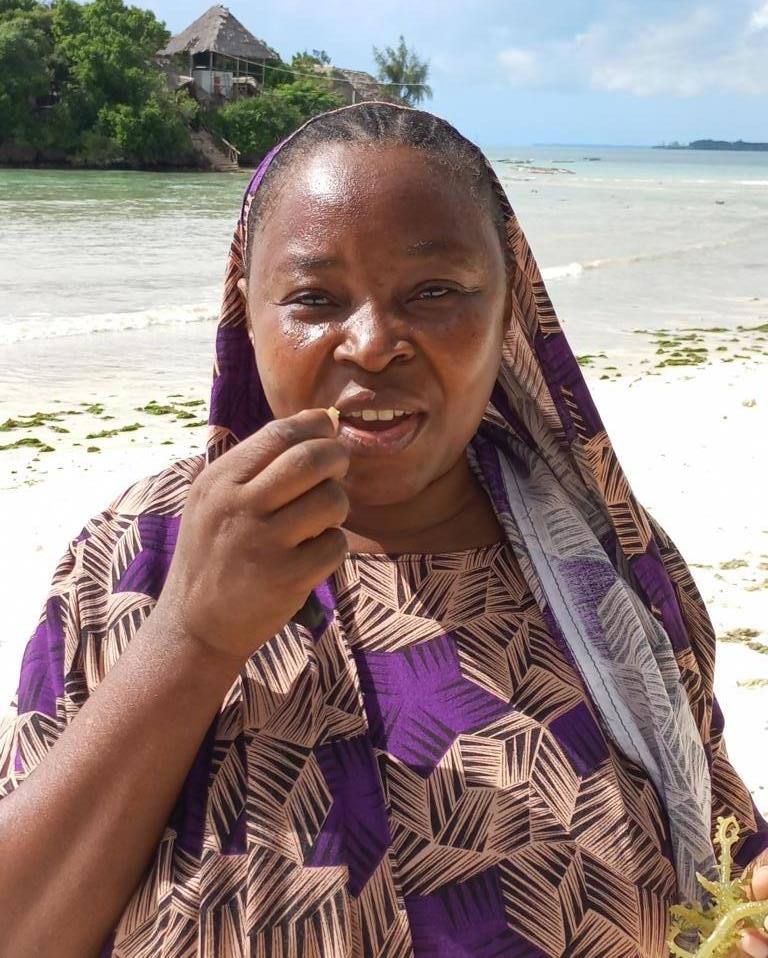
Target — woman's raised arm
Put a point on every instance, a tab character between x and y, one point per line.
260	529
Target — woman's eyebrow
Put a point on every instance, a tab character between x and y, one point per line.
435	246
296	260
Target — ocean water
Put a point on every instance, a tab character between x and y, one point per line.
118	275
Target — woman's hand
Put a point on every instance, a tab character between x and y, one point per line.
753	942
260	530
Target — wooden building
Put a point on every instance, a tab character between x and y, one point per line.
220	55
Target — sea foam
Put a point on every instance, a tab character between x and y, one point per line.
44	326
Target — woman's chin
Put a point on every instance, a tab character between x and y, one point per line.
367	488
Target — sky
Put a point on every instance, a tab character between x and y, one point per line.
507	72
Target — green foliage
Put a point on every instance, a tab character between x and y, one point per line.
80	84
306	62
112	104
310	97
403	73
256	124
25	47
148	134
107	49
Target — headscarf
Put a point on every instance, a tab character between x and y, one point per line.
615	592
590	553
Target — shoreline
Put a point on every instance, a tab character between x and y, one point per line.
687	436
113	168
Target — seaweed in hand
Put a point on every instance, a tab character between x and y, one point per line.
719	925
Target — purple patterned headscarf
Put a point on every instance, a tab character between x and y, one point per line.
611	584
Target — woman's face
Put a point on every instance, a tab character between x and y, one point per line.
377	285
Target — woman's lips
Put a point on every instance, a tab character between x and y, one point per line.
379	437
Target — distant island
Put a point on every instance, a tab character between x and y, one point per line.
713	145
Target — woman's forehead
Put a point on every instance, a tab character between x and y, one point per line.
347	185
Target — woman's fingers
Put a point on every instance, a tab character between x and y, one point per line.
754	943
760	883
324	506
252	455
296	471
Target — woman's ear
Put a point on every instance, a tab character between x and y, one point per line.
243	288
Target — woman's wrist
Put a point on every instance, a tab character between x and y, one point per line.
188	651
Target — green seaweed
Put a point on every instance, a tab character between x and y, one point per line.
108	433
28	422
706	329
745	636
29	441
155	409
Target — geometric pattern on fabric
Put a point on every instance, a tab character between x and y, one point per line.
309	826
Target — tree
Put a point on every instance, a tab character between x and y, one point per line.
403	73
255	124
107	51
149	134
25	48
304	62
310	97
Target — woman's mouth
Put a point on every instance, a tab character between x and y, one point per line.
378	431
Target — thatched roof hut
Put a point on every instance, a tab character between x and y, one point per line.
218	31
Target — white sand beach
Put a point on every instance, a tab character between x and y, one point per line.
693	441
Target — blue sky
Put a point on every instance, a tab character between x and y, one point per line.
567	71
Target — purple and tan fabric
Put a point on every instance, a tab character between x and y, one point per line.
511	751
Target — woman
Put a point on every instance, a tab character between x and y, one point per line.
489	731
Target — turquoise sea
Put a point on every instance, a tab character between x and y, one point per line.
119	273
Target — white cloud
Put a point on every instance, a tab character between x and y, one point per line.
759	19
701	50
520	66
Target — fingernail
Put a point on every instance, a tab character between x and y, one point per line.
334	414
753	945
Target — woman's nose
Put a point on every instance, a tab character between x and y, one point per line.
373	338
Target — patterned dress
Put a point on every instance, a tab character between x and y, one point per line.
461	799
424	776
510	825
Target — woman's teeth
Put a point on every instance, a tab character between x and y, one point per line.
372	415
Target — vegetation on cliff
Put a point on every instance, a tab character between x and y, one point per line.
81	85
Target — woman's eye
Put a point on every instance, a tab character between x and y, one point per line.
434	292
312	299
